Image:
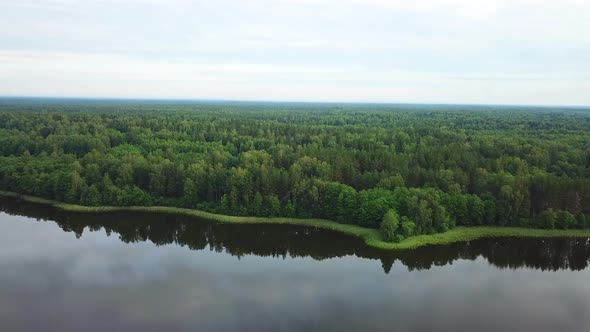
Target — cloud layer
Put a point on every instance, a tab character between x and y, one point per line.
451	51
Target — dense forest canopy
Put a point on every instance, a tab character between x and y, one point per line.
426	168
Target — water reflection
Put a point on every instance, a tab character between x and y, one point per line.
290	241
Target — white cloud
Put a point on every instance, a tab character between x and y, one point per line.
525	51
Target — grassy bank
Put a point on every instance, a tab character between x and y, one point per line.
370	236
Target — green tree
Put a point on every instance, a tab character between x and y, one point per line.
273	206
548	219
391	182
475	210
565	220
407	227
440	219
190	193
257	207
389	225
583	221
90	196
289	210
226	205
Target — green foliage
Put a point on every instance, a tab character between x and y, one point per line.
389	226
256	209
289	210
273	206
565	220
371	237
191	193
583	221
436	167
548	219
90	196
391	182
407	227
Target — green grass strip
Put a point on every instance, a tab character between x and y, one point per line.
370	236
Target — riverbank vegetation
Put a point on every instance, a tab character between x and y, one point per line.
553	254
372	237
435	168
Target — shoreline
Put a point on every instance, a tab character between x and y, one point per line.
371	237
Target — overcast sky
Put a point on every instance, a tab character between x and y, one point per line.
445	51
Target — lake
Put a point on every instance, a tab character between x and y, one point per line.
154	272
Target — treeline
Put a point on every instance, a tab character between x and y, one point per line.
433	169
282	241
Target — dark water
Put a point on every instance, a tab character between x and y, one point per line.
126	272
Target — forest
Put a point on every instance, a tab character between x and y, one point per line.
403	169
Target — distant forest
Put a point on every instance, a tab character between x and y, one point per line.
417	169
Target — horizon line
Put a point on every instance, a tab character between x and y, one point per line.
270	101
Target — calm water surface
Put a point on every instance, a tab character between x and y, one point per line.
122	272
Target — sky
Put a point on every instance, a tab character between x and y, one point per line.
446	51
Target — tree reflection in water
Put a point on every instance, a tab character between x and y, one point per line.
296	241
